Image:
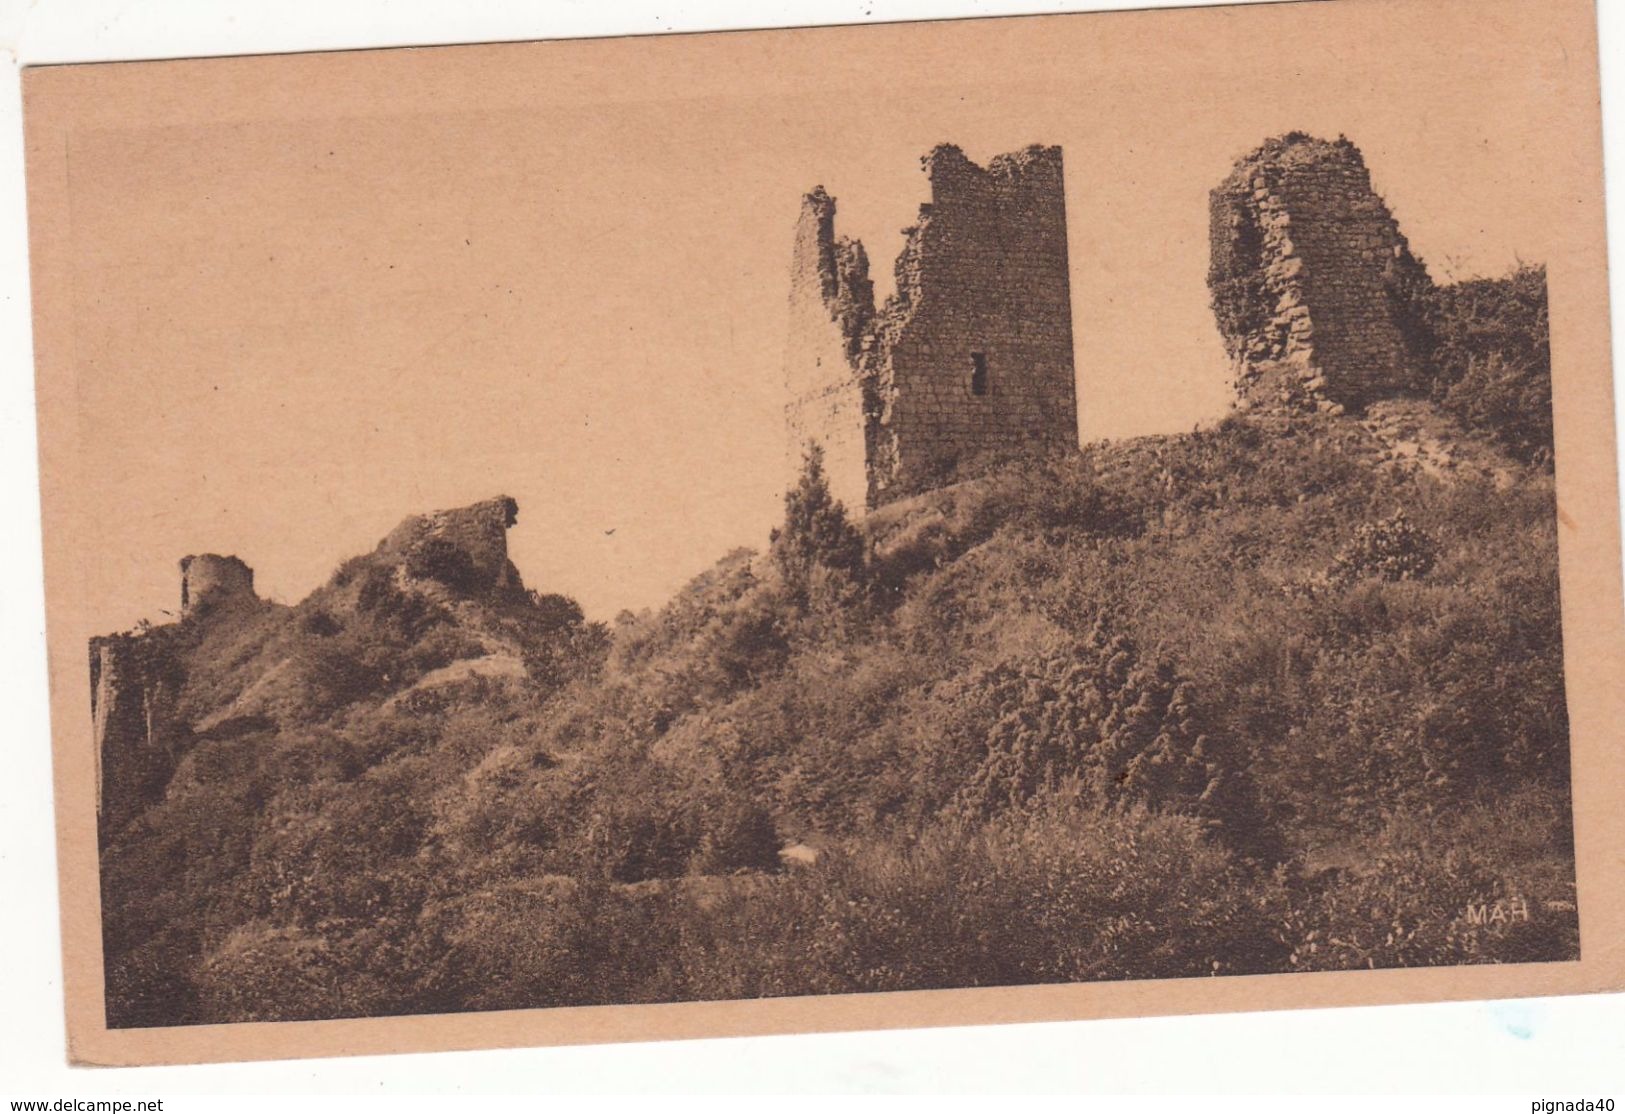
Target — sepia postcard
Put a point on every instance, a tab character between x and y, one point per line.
840	528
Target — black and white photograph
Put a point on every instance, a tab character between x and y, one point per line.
1003	503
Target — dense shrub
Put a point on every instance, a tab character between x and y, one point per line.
397	616
1390	548
1069	719
746	644
1049	893
1492	360
571	654
554	612
444	561
320	623
1095	715
1492	884
1511	399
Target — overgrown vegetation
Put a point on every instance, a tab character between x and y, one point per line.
1230	702
1491	351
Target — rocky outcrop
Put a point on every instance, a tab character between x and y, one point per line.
1416	436
465	549
235	664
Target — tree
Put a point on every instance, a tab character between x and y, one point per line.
817	537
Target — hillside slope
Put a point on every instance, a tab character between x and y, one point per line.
1281	695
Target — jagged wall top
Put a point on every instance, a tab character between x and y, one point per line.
972	353
1314	287
209	580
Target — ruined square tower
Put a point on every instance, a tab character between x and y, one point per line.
1314	287
972	354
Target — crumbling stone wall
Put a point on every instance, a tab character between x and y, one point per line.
142	714
209	580
135	681
832	306
974	351
1317	295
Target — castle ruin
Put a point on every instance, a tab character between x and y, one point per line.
1314	287
972	354
135	685
142	722
209	579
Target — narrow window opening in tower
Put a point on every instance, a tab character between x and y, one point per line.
978	373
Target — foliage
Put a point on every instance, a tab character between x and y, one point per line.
555	612
1048	893
1241	301
1096	717
816	537
1488	886
1069	718
1390	548
443	560
1492	360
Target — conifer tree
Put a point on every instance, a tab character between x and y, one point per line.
816	532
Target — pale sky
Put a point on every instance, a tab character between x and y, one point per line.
315	295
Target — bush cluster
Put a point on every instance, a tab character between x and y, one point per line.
444	561
1095	717
1062	721
1390	548
1492	361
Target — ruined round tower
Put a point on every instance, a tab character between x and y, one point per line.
1314	287
209	580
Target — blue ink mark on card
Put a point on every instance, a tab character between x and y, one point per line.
1517	1019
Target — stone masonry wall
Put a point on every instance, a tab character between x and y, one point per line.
831	307
972	354
975	350
134	685
209	579
1313	284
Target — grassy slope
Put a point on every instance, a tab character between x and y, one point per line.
1122	714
